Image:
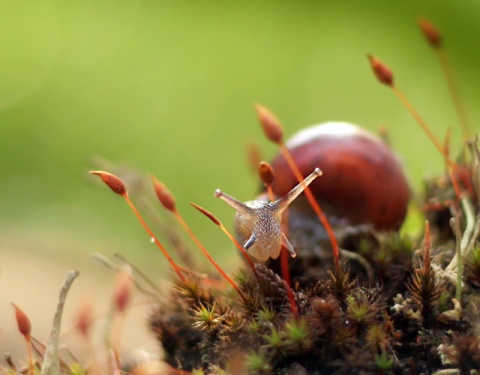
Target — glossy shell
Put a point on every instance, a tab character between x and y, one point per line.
362	181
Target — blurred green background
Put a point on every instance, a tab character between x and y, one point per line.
168	86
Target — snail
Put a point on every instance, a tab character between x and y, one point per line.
362	183
258	223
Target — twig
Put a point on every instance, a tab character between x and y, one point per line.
470	217
467	234
50	365
40	349
455	224
476	234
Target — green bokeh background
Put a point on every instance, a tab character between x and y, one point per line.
168	87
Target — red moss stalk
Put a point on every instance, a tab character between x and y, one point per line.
121	299
284	266
270	124
254	155
273	131
378	67
168	201
434	38
385	76
118	187
430	32
25	328
217	222
84	319
382	72
267	176
83	325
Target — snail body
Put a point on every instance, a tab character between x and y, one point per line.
363	181
258	223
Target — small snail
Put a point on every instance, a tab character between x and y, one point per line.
258	223
363	181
